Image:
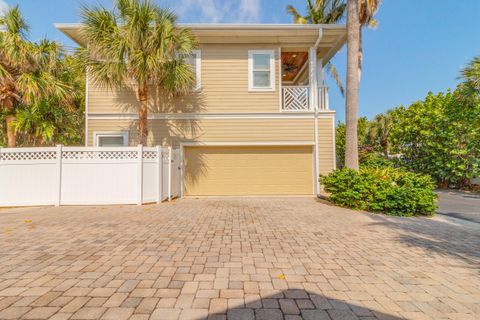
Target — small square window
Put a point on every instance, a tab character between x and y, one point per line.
111	139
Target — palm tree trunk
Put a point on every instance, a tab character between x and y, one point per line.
143	114
351	112
9	120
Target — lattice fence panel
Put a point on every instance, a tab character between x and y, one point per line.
28	156
99	155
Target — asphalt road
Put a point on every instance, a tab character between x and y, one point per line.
460	205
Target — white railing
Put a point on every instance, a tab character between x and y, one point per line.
88	175
323	100
297	98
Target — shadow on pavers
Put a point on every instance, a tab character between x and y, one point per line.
297	304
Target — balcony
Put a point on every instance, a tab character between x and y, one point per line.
297	99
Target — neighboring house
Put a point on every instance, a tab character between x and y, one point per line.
257	122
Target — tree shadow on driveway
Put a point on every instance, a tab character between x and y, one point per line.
296	304
446	236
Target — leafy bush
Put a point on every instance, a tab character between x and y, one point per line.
390	191
375	160
440	136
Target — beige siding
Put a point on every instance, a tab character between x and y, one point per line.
224	87
171	132
257	170
326	157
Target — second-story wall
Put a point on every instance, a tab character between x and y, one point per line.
224	87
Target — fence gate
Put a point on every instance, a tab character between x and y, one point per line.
88	175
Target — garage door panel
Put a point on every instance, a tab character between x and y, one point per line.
280	170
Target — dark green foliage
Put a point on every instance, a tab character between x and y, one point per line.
375	160
440	136
390	191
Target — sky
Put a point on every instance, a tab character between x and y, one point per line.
418	46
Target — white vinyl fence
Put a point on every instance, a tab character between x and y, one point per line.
88	176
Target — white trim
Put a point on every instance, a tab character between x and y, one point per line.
98	134
247	144
198	70
208	26
86	107
223	116
271	70
280	80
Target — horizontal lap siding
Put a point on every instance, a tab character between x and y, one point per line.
224	87
261	170
169	132
325	145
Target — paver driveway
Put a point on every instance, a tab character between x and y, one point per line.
241	258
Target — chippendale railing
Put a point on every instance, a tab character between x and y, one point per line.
297	98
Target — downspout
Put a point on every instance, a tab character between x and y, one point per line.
315	126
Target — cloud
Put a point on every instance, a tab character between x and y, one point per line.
217	11
3	7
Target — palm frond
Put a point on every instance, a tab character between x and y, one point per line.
332	71
297	17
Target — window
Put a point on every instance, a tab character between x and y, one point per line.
261	70
194	61
111	139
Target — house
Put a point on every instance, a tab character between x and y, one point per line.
258	121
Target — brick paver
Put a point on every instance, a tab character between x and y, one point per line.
235	258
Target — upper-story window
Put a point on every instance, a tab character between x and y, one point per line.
261	70
194	60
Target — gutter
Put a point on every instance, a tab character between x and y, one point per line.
237	26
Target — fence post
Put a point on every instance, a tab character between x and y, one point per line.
139	175
58	200
159	175
170	173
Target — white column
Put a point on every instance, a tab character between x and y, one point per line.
159	175
312	57
58	200
140	175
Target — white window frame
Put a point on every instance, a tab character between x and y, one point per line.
98	134
272	70
198	70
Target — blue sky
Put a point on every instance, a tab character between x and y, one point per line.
419	45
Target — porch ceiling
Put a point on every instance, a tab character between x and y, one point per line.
287	36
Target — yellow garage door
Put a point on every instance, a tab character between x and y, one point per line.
279	170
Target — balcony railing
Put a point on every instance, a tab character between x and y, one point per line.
297	98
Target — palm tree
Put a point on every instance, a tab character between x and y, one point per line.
322	12
351	112
28	71
471	74
137	45
360	13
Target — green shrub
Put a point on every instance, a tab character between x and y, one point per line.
375	160
388	190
